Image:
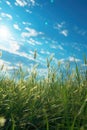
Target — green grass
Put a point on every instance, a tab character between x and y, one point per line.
56	102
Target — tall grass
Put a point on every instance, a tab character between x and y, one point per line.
57	102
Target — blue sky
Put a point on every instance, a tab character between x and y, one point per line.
52	27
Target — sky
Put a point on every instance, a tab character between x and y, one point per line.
48	27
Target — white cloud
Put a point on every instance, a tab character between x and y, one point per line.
8	3
64	32
23	54
6	15
38	43
82	32
60	47
73	59
77	48
59	25
53	46
13	47
23	3
2	62
28	11
33	42
26	23
16	27
57	47
44	52
10	46
32	1
61	28
30	33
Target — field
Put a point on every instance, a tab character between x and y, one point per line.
57	101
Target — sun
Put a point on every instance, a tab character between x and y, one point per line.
4	33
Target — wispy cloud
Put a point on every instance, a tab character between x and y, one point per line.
53	46
10	46
44	52
28	11
60	47
25	55
30	33
73	59
33	2
8	3
82	32
61	28
6	15
76	46
20	3
33	42
17	27
23	3
26	23
57	47
3	62
64	32
59	25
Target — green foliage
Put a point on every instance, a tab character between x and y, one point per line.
57	102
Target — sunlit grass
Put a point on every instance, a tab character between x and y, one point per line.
56	102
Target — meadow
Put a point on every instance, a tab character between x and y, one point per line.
57	101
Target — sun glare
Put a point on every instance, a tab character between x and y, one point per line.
4	33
